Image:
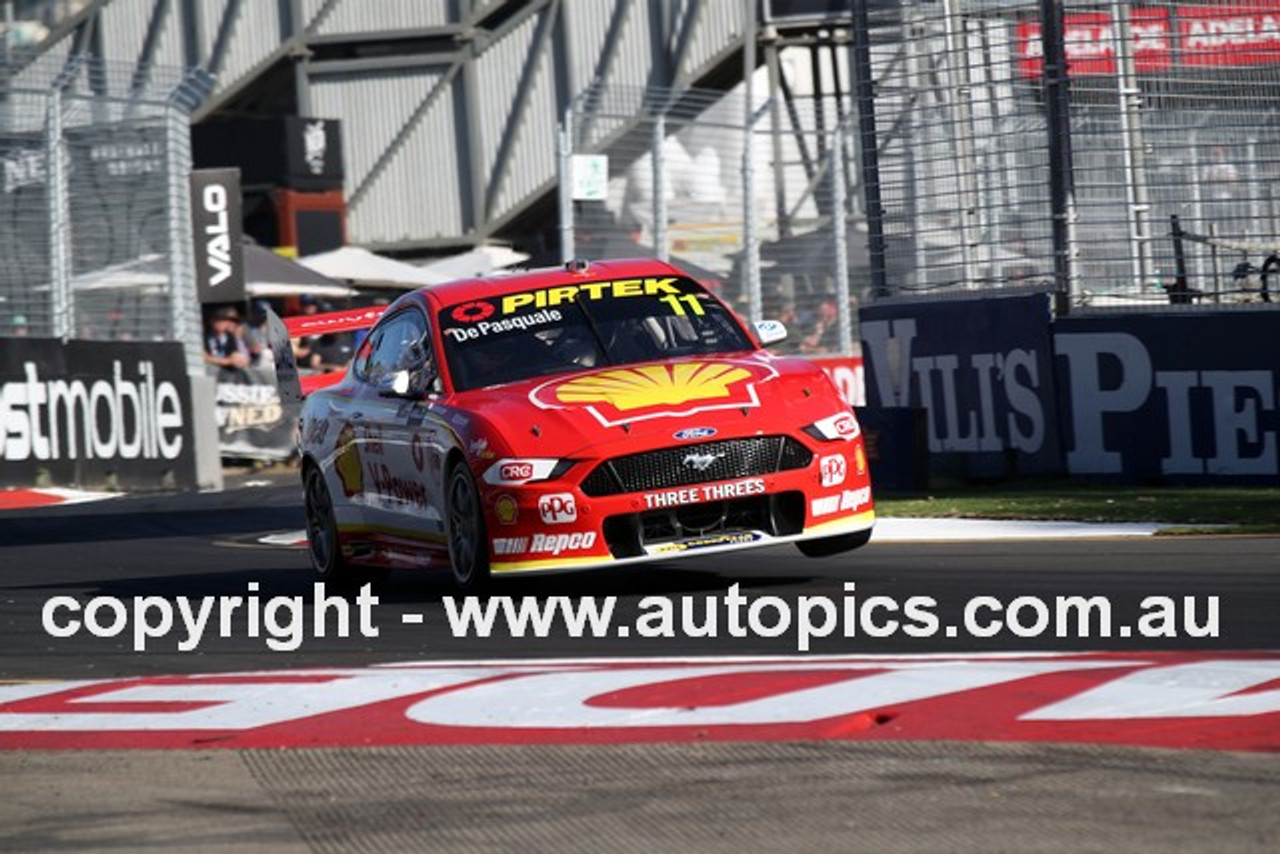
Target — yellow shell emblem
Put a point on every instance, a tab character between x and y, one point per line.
628	389
347	462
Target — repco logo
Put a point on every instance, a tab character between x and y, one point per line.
556	543
557	509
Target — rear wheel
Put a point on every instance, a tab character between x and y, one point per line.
468	546
827	546
322	538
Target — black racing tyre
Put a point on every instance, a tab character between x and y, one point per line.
827	546
322	539
468	542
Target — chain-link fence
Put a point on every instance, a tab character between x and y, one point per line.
1173	115
760	211
94	204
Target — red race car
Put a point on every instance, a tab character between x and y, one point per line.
587	416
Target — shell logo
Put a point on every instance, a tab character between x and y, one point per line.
347	462
617	395
636	388
505	508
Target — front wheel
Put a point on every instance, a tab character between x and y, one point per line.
827	546
468	546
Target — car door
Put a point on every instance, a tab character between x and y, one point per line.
402	438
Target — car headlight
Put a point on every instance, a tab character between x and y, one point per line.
513	471
833	428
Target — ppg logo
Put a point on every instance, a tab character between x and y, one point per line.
833	469
557	509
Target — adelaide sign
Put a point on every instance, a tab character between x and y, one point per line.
1161	39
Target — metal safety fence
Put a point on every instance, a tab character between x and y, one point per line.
94	211
757	205
1171	146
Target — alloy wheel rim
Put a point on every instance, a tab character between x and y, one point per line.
317	523
462	529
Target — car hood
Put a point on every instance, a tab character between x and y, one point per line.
649	404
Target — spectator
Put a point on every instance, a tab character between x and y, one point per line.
333	351
255	336
305	355
18	328
223	347
1221	175
824	337
1221	178
787	315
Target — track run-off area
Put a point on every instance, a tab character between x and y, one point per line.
345	742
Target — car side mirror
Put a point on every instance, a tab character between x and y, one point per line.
401	383
770	331
411	385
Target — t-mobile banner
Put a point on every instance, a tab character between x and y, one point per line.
983	370
86	412
1170	397
217	227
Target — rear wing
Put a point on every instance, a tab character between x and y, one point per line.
294	386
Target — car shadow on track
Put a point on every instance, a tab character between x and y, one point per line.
416	588
128	524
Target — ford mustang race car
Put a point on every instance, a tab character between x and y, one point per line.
593	415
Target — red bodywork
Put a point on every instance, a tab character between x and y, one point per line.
611	464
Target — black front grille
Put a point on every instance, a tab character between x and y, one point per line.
780	515
702	463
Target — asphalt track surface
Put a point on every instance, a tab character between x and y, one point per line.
767	796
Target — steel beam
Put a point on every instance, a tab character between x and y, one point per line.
443	84
146	57
516	114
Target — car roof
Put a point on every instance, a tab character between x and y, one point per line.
463	290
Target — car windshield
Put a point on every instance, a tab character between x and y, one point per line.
570	327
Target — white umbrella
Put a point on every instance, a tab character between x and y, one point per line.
361	266
143	273
480	261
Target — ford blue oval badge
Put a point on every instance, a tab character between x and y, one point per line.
694	433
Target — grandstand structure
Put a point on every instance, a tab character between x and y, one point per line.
448	108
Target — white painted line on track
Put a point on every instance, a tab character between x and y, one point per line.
288	539
913	530
25	499
901	530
